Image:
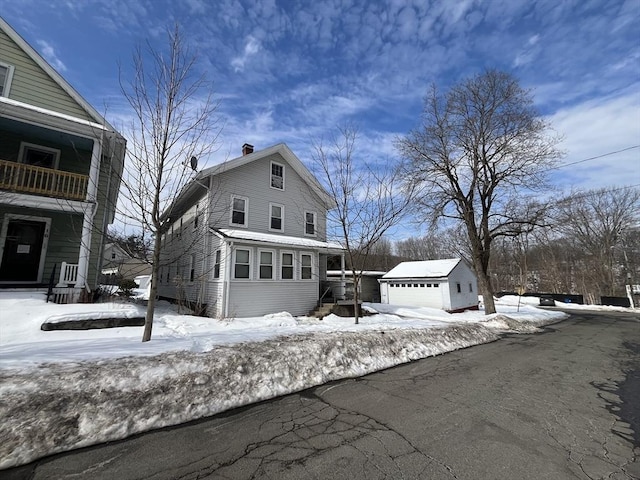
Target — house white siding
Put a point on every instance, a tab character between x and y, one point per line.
249	299
210	200
252	181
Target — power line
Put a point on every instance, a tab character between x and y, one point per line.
594	158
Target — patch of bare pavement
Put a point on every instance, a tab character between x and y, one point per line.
560	404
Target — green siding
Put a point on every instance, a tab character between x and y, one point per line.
72	159
64	237
32	85
66	233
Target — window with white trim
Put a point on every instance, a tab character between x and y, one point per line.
266	264
306	266
38	155
276	217
239	208
6	75
286	266
277	176
242	263
216	264
192	267
310	223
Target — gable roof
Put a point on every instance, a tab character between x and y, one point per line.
200	181
285	152
423	269
52	73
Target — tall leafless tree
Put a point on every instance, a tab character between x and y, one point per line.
601	223
369	197
174	120
479	152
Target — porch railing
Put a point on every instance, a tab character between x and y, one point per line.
68	274
23	178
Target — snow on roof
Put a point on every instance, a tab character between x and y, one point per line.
278	239
347	271
423	269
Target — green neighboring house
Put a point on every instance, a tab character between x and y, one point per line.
60	170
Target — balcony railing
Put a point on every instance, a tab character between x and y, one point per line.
23	178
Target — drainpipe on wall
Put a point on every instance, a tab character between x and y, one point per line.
229	261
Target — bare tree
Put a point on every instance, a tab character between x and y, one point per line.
480	150
369	199
434	245
601	223
174	120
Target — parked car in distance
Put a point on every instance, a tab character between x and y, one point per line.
547	301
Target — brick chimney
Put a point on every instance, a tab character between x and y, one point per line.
247	149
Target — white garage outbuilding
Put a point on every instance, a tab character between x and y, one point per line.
448	284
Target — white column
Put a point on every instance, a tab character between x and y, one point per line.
89	214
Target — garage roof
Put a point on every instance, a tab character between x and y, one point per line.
423	269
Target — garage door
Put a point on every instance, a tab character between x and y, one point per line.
418	294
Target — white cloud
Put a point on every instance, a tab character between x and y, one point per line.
49	54
251	47
599	127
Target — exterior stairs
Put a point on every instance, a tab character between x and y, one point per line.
322	311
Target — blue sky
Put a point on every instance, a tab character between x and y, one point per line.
291	71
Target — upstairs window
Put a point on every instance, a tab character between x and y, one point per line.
276	216
309	223
39	156
239	207
6	74
277	176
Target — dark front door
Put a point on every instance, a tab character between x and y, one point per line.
22	251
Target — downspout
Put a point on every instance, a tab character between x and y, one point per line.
229	259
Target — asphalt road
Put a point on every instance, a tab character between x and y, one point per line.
562	404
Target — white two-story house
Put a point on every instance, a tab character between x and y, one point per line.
248	237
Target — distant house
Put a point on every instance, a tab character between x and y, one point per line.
449	284
118	265
248	237
60	170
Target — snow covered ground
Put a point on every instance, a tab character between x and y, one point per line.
61	390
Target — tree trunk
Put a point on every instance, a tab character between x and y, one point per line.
487	292
356	281
153	291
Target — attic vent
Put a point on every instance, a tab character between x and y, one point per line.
247	149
